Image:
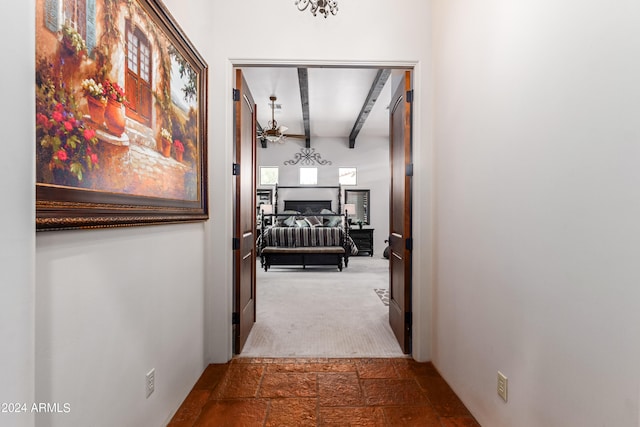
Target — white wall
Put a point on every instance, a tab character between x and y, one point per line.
370	158
113	304
537	137
17	215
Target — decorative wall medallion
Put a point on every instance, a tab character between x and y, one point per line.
306	157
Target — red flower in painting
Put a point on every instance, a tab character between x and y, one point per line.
61	155
88	134
178	145
94	158
43	121
114	92
63	141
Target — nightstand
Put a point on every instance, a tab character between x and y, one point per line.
363	238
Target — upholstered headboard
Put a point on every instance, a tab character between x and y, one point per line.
307	206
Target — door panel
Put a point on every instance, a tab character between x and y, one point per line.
244	221
400	214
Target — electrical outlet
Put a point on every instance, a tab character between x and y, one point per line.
502	386
151	382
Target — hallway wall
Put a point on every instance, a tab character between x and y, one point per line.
537	147
17	193
113	304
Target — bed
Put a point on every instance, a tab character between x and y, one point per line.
306	233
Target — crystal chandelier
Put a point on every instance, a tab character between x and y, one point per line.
322	6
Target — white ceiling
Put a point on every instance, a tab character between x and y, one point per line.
336	96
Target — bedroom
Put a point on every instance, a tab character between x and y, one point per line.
329	151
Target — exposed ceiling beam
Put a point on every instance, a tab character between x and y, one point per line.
303	80
372	97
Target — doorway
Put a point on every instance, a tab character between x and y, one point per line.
259	106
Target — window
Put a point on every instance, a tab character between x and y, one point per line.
78	14
138	77
308	176
347	176
268	175
74	14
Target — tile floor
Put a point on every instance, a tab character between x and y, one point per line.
322	392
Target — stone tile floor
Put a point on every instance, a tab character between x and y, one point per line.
322	392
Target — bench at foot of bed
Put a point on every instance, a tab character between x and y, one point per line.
312	255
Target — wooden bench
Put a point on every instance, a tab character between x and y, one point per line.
308	255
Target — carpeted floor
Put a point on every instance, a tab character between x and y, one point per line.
322	312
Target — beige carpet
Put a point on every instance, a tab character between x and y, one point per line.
322	312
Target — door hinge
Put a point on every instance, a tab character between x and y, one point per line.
409	169
409	244
236	95
410	96
236	169
235	318
408	319
235	244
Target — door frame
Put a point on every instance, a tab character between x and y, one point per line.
219	297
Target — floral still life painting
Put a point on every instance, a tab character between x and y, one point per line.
121	129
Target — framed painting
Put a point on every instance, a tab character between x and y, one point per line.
121	116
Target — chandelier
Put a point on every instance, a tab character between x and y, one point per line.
275	133
322	6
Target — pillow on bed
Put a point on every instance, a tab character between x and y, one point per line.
334	221
314	221
331	221
289	221
302	223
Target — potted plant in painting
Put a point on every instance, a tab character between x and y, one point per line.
96	99
179	149
72	41
114	112
165	144
65	143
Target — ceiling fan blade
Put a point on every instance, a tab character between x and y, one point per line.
283	129
290	135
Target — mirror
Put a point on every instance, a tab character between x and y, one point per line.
361	199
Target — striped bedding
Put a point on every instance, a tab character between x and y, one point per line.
292	237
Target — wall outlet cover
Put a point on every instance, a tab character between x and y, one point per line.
502	386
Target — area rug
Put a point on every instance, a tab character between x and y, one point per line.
322	312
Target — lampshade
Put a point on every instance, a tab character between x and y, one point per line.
266	209
350	209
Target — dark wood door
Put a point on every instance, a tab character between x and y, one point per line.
400	213
245	221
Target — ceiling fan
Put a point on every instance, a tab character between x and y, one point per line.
275	133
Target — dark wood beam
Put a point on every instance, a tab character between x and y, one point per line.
303	80
372	97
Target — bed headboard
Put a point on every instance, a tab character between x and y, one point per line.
310	206
307	206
